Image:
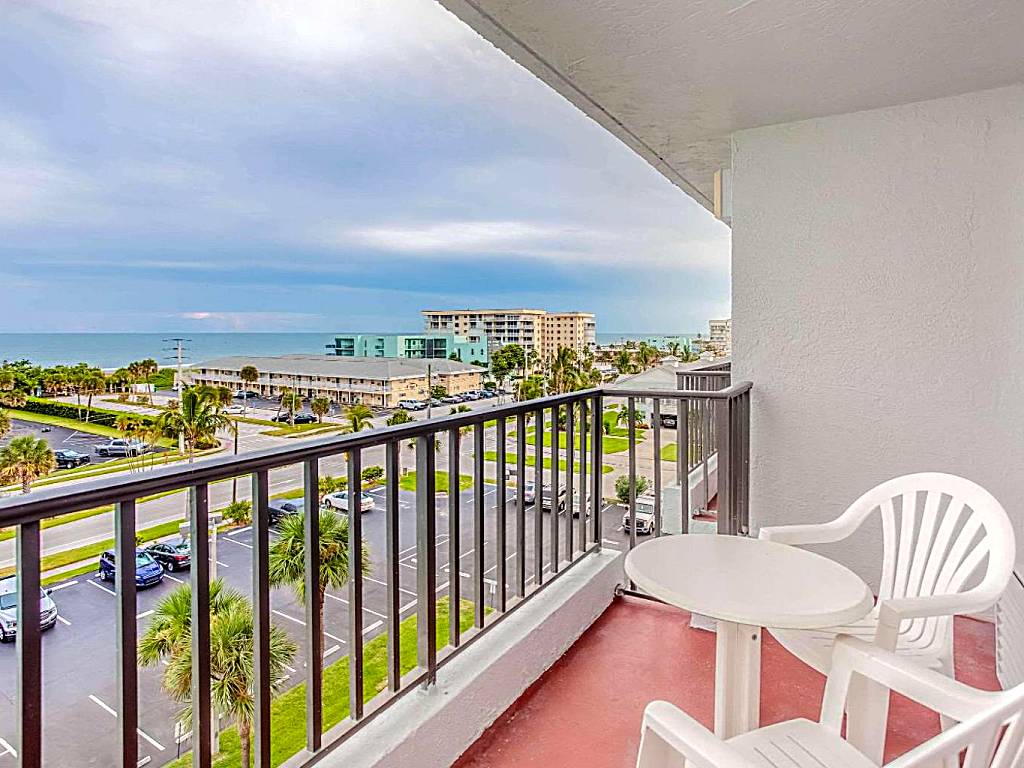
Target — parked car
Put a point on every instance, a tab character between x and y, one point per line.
67	458
247	394
488	393
412	405
546	498
339	500
644	516
9	609
120	447
172	556
280	509
451	399
233	409
435	401
300	418
470	396
147	570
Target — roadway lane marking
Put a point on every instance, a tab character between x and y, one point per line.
65	584
240	530
142	733
240	543
174	578
63	621
610	543
144	614
8	749
384	584
100	586
369	629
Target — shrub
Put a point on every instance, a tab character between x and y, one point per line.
239	512
123	397
70	411
373	474
401	416
622	487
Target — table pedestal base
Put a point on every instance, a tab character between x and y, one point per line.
737	679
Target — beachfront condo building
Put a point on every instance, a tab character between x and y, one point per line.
380	382
534	330
470	348
720	336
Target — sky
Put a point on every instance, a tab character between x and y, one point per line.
308	165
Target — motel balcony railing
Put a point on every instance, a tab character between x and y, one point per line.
716	424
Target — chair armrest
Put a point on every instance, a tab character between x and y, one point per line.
685	736
925	686
898	609
797	535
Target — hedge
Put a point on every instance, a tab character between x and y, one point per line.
71	411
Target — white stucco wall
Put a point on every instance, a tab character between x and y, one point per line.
878	304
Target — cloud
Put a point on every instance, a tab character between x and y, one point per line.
248	321
496	237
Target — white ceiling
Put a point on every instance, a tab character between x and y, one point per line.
673	78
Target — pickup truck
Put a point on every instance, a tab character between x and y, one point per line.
119	447
644	516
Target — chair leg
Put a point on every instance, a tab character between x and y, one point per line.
946	722
655	752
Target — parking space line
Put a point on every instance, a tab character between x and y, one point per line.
144	614
335	638
63	621
240	543
142	733
384	584
223	565
100	586
240	530
65	584
610	543
286	616
331	650
369	629
174	578
8	749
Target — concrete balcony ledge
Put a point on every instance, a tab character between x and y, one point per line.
431	728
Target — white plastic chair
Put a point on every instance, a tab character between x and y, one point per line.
988	730
931	550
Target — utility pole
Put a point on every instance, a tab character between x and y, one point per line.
430	395
179	357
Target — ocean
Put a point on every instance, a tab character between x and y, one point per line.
112	350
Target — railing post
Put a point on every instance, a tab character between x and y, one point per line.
454	534
597	465
426	560
262	682
631	442
199	578
314	632
391	505
29	649
127	633
355	583
656	428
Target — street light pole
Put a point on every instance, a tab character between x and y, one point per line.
430	395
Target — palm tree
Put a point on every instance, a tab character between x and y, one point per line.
623	361
92	383
169	638
358	417
24	460
148	369
249	376
646	355
5	423
287	563
291	402
320	406
687	355
195	422
673	348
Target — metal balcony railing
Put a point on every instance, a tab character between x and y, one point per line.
529	549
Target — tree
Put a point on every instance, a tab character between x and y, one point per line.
92	383
459	409
24	460
401	416
5	423
673	348
358	417
687	355
565	371
530	388
622	487
195	422
327	484
506	360
623	361
239	512
249	376
168	638
438	391
291	402
287	560
646	355
320	406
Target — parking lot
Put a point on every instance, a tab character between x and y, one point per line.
59	438
79	664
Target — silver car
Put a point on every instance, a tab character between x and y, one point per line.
9	609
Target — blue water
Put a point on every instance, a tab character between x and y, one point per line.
112	350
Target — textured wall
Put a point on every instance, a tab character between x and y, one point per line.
878	304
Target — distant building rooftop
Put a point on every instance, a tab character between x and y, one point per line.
345	367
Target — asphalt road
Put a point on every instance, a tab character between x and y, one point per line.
59	438
79	663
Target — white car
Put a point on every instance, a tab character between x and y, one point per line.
339	500
644	516
9	609
234	409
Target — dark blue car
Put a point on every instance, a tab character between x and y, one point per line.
147	570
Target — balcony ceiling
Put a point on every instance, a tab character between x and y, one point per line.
673	78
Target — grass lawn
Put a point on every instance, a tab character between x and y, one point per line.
668	453
609	443
408	481
510	460
287	430
288	711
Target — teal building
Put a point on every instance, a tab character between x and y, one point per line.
468	349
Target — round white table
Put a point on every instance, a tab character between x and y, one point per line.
746	584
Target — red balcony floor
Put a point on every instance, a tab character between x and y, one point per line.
586	710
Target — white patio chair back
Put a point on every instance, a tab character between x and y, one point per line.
938	529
